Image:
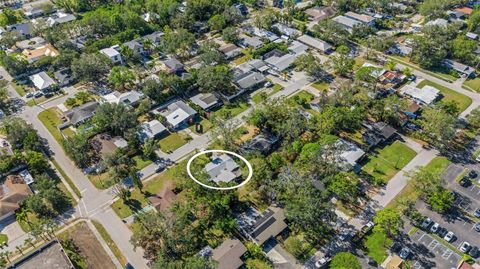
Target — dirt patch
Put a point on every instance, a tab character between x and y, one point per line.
90	249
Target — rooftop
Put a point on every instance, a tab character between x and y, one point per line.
42	80
205	100
51	255
223	169
315	43
228	254
151	129
425	95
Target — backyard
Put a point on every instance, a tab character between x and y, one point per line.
383	164
462	101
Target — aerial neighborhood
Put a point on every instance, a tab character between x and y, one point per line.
239	134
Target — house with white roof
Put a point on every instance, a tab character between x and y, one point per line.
350	154
128	98
247	41
426	95
113	53
316	43
286	31
151	130
59	18
206	101
363	18
223	169
347	22
177	114
297	47
42	81
437	22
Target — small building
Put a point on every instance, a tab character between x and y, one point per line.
13	191
80	114
136	46
60	17
178	114
24	29
223	169
172	65
363	18
249	80
26	176
230	51
151	130
400	49
64	77
207	101
259	227
471	35
254	64
279	61
154	37
348	23
464	10
316	43
393	262
30	44
113	53
163	200
253	42
437	22
36	54
286	31
319	13
50	255
42	81
229	253
263	143
426	95
297	48
130	98
462	69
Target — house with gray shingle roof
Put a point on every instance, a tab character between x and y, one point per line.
223	169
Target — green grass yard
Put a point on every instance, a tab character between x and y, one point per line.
386	162
377	244
463	101
473	84
205	126
321	86
140	163
173	141
51	119
231	110
440	73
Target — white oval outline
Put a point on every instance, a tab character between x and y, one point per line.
250	169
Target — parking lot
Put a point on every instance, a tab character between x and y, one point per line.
432	253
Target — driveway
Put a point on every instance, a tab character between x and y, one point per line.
279	256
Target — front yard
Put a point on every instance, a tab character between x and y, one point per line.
462	101
383	164
51	119
232	109
173	141
377	244
473	84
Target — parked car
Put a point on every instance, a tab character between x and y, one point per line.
474	252
268	84
129	266
477	213
477	226
434	227
442	232
395	247
426	222
478	158
29	95
472	174
367	227
465	182
37	94
449	236
465	247
322	262
404	253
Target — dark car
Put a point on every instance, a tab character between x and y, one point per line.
474	252
477	226
465	182
477	213
395	247
472	174
442	232
404	253
129	266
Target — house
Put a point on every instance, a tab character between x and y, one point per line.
317	13
163	200
246	81
363	18
60	17
286	31
151	130
207	101
172	65
315	103
230	51
297	48
24	29
242	9
393	262
350	154
113	53
13	191
42	81
136	46
259	227
40	52
278	60
178	114
377	133
316	43
30	44
130	98
392	77
51	255
64	77
400	49
455	15
426	95
223	169
348	23
272	37
35	8
229	253
263	143
253	42
464	10
154	38
462	69
437	22
471	35
254	64
79	114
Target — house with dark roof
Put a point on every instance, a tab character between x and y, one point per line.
151	130
263	143
230	51
79	114
462	69
172	65
319	13
49	255
377	133
136	46
259	227
162	200
64	77
154	37
207	101
229	254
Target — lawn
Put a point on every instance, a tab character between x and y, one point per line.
386	162
473	84
231	110
205	126
173	141
321	86
276	88
111	244
440	73
377	244
20	89
438	164
3	239
140	163
139	200
51	119
67	178
259	97
463	101
100	181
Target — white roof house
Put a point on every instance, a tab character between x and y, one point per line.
350	153
41	80
315	43
127	98
297	47
426	95
178	113
150	130
223	169
360	17
27	177
438	22
113	53
205	100
281	63
347	22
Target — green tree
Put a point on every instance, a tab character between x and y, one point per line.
474	118
389	221
114	118
37	162
217	78
438	127
342	62
148	149
230	35
344	260
9	16
217	22
91	67
464	49
121	77
311	65
441	200
345	186
177	42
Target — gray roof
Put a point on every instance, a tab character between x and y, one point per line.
281	63
151	129
315	43
42	80
81	113
254	41
25	28
173	64
350	153
360	17
288	31
155	37
63	76
222	169
228	254
50	255
459	67
205	100
346	21
178	112
262	226
133	44
249	79
297	47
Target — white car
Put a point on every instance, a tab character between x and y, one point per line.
448	237
434	227
478	158
465	247
322	262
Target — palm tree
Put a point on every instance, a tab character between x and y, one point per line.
7	254
29	241
22	215
19	249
